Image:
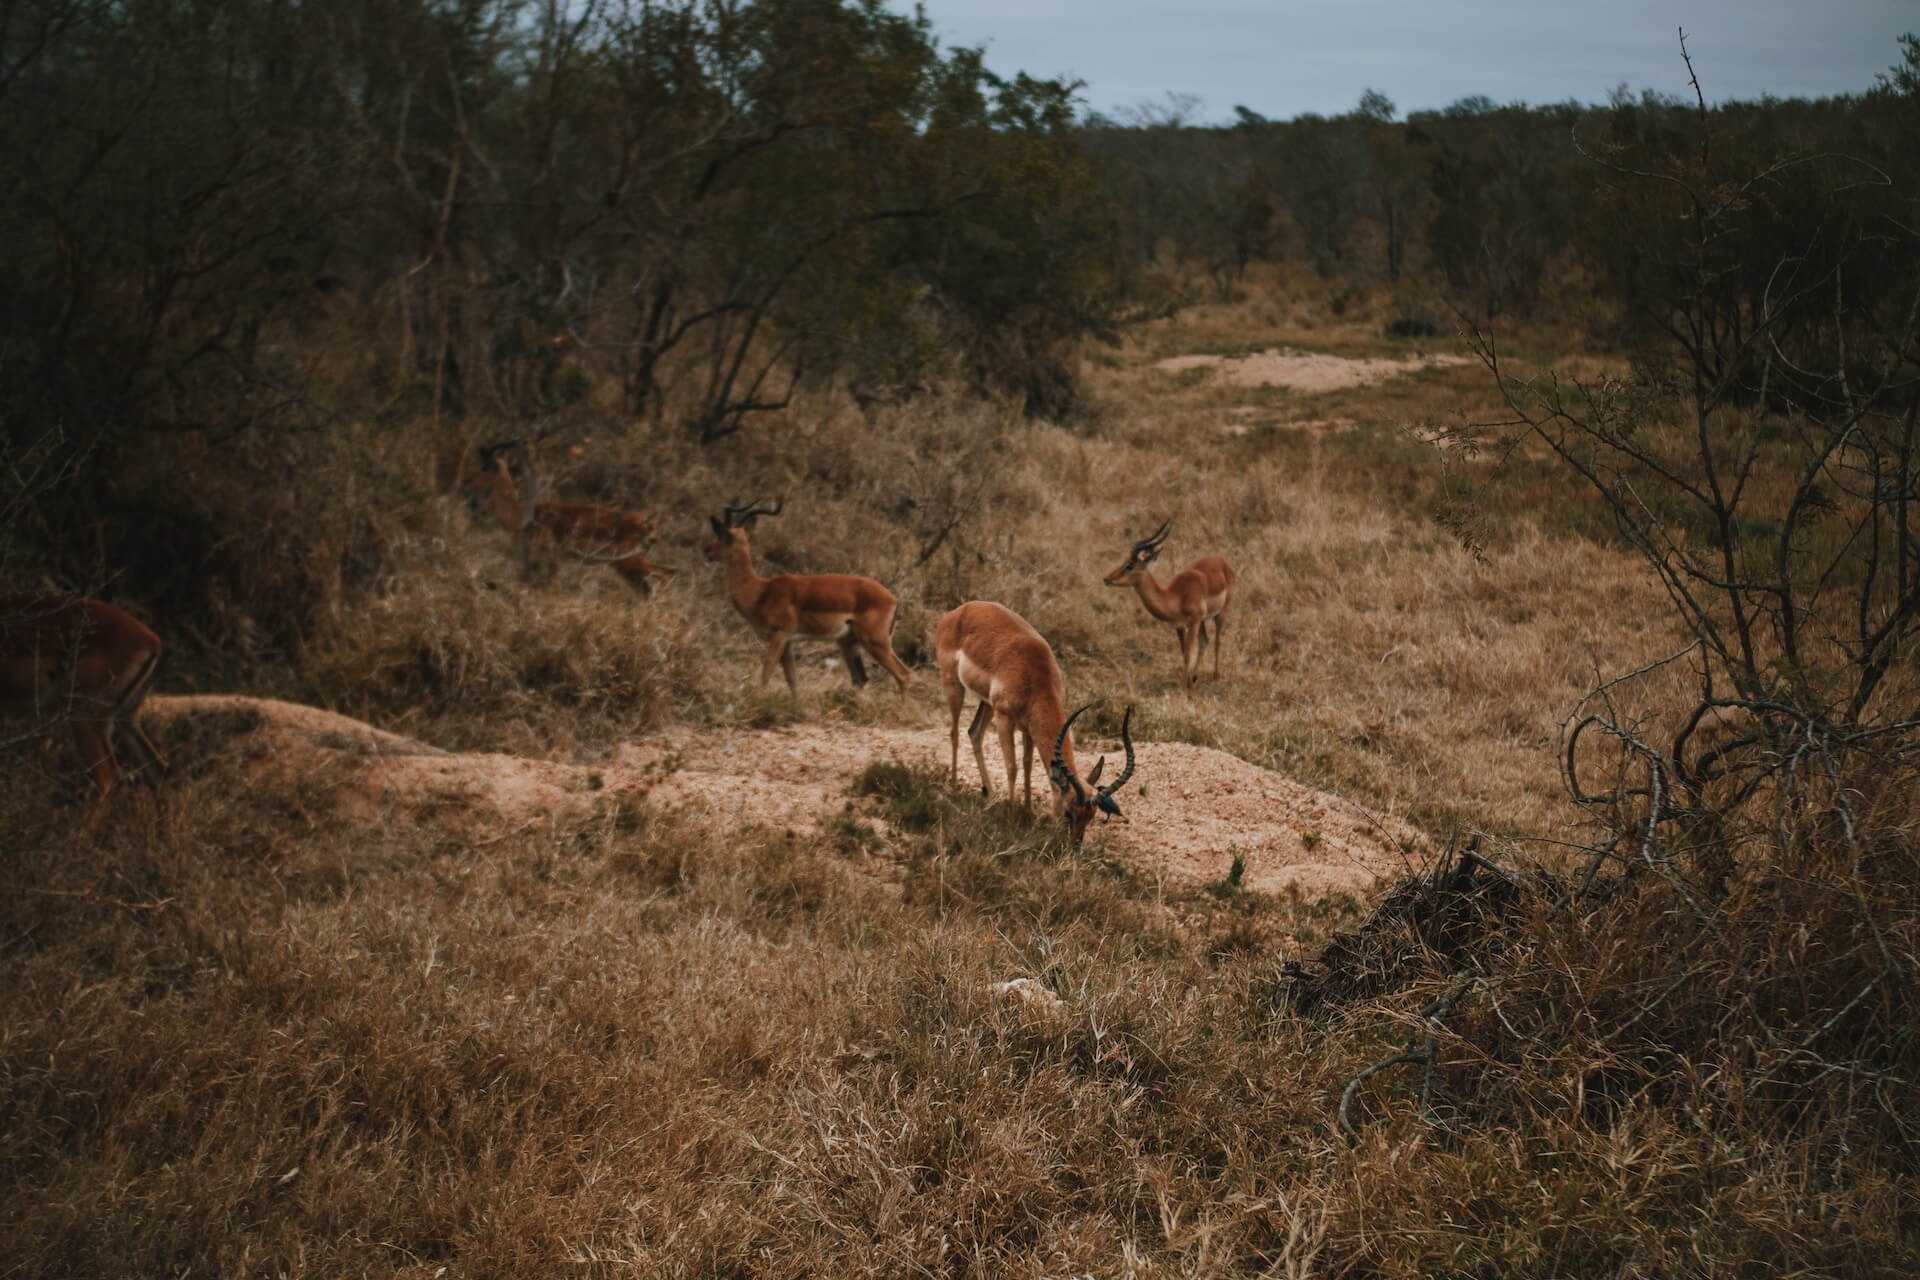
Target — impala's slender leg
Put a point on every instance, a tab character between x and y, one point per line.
956	699
850	654
96	719
880	645
884	655
786	666
1026	764
1219	621
1006	752
90	737
976	734
1190	651
776	653
126	712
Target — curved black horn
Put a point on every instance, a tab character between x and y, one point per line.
1126	742
738	515
1059	765
1153	540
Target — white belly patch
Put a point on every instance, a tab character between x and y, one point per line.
974	676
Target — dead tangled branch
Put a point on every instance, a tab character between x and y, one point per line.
1520	990
1453	918
1750	957
1422	922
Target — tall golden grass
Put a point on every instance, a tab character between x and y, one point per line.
245	1035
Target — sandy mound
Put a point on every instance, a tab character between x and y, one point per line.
1189	809
1304	370
371	775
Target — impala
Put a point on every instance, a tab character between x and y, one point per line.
1199	592
603	535
854	612
87	661
992	652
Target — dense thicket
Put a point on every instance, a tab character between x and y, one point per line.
682	209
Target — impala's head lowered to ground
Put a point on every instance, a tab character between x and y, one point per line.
1080	806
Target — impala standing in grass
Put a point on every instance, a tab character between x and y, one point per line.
1199	592
86	661
601	535
854	612
992	652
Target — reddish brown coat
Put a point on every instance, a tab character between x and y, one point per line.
604	535
83	660
1196	595
990	651
855	612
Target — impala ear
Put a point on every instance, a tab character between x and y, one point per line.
1094	777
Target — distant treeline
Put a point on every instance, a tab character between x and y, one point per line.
1501	200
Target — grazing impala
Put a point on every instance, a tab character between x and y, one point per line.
854	612
603	535
1198	592
992	652
86	661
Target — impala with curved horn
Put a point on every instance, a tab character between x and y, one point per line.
1199	592
855	612
86	661
992	652
601	535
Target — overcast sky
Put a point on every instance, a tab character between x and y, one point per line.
1285	57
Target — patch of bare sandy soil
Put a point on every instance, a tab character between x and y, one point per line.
1190	810
1305	370
1244	419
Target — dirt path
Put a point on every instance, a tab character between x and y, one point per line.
1304	370
1189	809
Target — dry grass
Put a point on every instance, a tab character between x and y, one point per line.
243	1037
